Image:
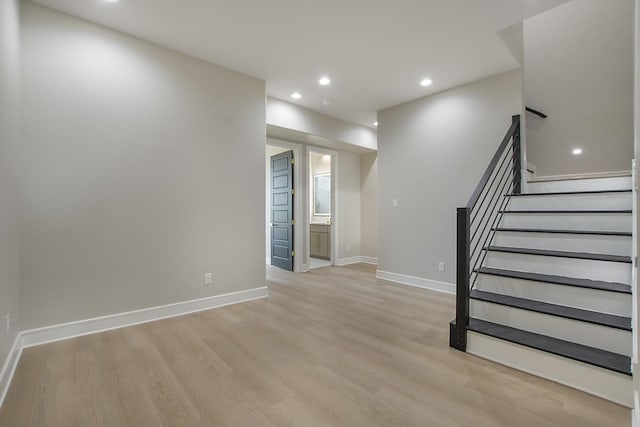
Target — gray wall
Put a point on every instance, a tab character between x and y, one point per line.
143	169
348	204
431	155
579	71
9	135
369	204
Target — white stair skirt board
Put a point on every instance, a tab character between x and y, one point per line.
552	184
600	382
611	245
569	267
608	302
417	282
572	221
9	368
635	413
600	201
589	334
99	324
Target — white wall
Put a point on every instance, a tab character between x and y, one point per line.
431	155
9	210
143	169
369	204
579	71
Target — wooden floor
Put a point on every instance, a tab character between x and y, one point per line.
333	347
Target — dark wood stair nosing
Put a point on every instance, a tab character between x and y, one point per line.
569	193
578	314
560	254
568	211
599	285
592	356
559	231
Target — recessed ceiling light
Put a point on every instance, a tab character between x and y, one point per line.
576	151
324	81
426	82
375	124
296	95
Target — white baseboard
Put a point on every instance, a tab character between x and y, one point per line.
417	282
356	260
9	368
114	321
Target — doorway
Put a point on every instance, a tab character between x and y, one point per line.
321	208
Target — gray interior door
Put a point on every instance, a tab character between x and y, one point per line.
282	210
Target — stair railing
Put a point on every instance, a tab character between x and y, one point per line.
476	223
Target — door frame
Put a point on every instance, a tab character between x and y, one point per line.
298	215
334	202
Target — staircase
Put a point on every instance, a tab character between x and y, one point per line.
556	285
549	287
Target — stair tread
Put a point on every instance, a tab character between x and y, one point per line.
561	254
558	231
603	319
569	211
593	356
560	280
565	193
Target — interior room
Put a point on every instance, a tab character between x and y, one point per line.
355	213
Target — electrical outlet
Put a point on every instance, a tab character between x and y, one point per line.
208	278
441	266
8	318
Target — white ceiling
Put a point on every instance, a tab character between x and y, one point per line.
374	51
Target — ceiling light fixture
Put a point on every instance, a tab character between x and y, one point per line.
426	82
576	151
375	124
324	81
296	95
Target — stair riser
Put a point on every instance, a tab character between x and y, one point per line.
611	245
616	183
591	222
569	296
600	382
569	267
602	201
602	337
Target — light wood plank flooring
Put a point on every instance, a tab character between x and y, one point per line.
333	347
